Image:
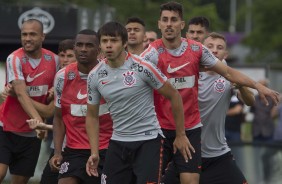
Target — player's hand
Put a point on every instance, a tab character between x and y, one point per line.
55	162
41	134
8	91
35	124
265	92
182	144
50	96
92	165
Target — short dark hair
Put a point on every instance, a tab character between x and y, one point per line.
203	21
65	45
135	20
35	20
217	35
89	32
113	29
172	6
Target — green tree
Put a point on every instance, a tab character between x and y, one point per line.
265	39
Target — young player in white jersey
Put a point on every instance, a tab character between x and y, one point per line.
126	82
180	60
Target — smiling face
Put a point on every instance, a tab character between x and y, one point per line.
32	37
170	24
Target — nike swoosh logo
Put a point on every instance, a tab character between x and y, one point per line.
30	79
81	96
105	82
171	70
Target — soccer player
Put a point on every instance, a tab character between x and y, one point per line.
198	28
136	34
180	60
30	71
218	164
150	36
126	82
70	100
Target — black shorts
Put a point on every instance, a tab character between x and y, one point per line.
74	165
192	166
221	170
48	176
174	164
19	153
136	162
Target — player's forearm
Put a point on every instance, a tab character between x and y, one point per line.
239	78
247	96
58	132
92	129
178	114
45	111
28	107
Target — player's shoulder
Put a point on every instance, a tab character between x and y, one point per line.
100	66
61	73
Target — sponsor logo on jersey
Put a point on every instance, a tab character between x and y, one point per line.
219	85
41	15
195	47
71	75
129	78
81	96
172	70
105	82
103	73
30	79
47	57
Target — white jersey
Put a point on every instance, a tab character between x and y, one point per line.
128	91
214	99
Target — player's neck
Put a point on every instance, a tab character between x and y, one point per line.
135	49
172	44
35	54
118	61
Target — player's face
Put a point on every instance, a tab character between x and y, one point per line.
170	24
112	47
31	37
217	46
86	48
196	32
149	38
136	33
66	57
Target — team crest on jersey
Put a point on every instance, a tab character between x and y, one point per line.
47	57
64	168
219	85
103	73
24	59
71	75
129	79
195	47
161	50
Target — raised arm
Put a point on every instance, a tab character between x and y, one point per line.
239	78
